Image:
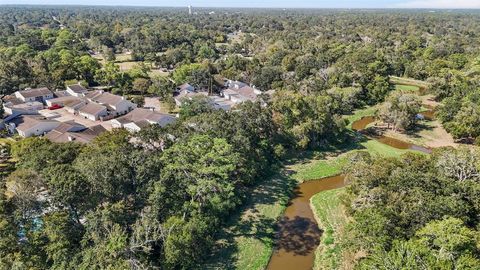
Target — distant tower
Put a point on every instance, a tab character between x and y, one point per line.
190	10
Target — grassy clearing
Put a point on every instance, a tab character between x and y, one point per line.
247	240
429	134
320	168
126	66
407	88
408	81
330	216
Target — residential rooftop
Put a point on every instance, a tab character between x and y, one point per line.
35	92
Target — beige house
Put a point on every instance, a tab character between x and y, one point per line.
93	111
73	132
140	118
239	92
22	108
28	126
116	105
37	94
63	101
76	90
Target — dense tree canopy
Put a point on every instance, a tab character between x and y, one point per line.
156	199
417	211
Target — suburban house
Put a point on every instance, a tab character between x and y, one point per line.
23	108
76	90
37	94
186	91
239	92
73	132
92	111
14	106
116	105
30	125
139	118
219	102
185	87
63	100
73	105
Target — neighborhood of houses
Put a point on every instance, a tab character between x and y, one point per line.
79	114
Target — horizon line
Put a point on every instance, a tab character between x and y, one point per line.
246	7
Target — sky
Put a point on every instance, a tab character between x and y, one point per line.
448	4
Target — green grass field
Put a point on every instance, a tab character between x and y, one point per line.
331	218
407	88
407	81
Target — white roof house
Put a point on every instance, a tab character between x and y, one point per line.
28	126
93	111
37	94
116	105
239	92
76	90
140	118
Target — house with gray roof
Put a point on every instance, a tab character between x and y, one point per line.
139	118
73	132
92	111
76	90
36	94
116	105
31	125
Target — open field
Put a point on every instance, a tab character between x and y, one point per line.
330	216
408	81
407	88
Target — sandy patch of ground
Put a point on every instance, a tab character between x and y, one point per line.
429	101
433	136
154	102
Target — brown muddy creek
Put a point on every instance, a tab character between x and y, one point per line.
298	235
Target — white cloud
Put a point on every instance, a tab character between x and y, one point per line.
440	4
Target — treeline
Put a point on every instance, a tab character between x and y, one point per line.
414	212
304	51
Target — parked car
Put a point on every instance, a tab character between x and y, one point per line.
55	107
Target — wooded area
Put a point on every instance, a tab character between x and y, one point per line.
159	198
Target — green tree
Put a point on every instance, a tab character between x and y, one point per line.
195	106
206	173
88	68
400	110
